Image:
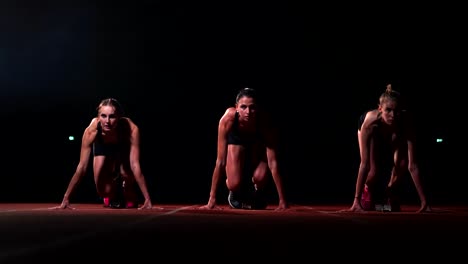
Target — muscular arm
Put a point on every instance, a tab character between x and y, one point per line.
86	145
135	160
272	140
364	166
273	165
225	124
364	138
135	163
413	166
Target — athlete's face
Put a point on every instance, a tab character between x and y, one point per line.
246	108
390	111
107	117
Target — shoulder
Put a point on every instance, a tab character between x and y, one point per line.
94	122
91	131
227	120
229	114
371	118
230	111
372	114
128	124
127	121
93	125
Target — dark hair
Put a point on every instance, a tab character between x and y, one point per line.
111	102
389	94
246	92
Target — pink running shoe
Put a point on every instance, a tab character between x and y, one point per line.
366	200
106	202
131	204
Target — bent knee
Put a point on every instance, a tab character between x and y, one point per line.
233	184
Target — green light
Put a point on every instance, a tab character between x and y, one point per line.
71	138
439	140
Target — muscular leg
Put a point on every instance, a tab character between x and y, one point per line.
259	167
234	169
259	180
129	188
104	173
367	198
398	171
259	162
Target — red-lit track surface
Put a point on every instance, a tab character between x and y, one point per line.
33	233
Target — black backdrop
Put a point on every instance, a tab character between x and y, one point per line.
177	66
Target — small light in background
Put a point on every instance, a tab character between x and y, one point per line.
439	140
71	138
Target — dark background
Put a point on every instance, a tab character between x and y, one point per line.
176	66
